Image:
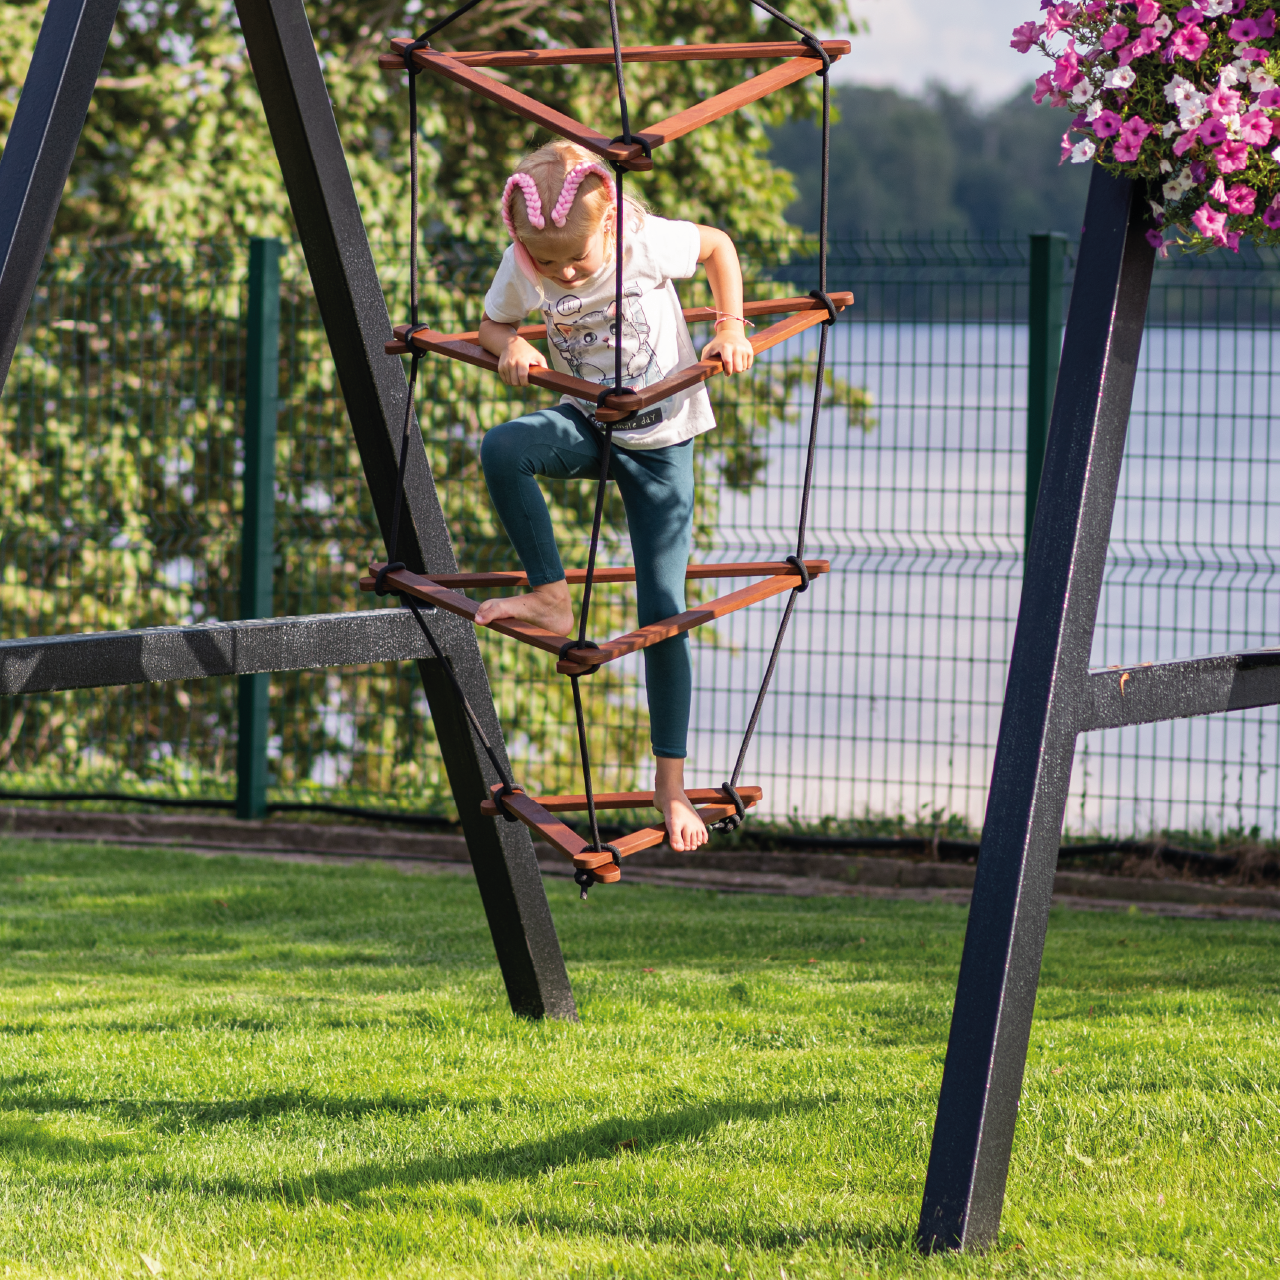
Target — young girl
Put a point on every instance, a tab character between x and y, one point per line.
559	208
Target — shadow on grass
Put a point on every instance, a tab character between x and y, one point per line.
21	1137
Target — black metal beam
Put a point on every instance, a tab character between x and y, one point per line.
1151	691
300	116
98	660
1048	683
41	145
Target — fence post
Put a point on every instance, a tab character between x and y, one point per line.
262	360
1044	346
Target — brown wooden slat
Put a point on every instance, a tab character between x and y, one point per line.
575	660
620	799
647	837
785	329
602	55
620	573
764	307
731	100
539	821
424	589
630	157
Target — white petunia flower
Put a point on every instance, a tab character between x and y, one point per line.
1157	209
1162	26
1215	8
1165	167
1176	86
1120	78
1095	109
1083	151
1229	75
1169	129
1260	82
1178	185
1232	124
1082	92
1275	155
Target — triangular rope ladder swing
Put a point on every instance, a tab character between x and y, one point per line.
721	807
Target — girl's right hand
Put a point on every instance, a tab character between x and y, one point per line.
516	359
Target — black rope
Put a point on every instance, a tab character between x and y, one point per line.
734	821
444	22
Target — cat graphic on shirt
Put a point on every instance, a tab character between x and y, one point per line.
586	340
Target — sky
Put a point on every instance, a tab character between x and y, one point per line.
963	43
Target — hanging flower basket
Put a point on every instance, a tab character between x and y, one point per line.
1184	96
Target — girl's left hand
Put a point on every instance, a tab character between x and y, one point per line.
732	347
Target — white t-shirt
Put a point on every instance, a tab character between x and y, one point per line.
655	339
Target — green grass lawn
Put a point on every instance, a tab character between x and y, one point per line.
233	1067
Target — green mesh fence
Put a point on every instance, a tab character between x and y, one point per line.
120	426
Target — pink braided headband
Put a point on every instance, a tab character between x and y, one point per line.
533	202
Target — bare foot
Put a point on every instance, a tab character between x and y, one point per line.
685	830
547	606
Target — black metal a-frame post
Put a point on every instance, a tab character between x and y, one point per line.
34	167
1050	699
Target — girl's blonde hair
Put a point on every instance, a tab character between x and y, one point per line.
548	167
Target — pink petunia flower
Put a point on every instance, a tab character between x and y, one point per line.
1223	101
1025	36
1255	129
1231	157
1211	223
1147	42
1269	99
1213	132
1066	71
1115	36
1252	55
1067	144
1189	42
1042	89
1155	238
1148	11
1241	199
1059	18
1095	7
1271	214
1191	15
1233	240
1106	124
1184	144
1218	191
1267	25
1244	30
1132	135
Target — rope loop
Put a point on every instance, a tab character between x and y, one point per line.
380	581
584	880
832	311
802	570
508	789
570	645
634	140
734	820
812	42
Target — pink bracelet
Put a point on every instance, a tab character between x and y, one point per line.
722	316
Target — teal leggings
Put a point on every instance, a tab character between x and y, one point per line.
657	490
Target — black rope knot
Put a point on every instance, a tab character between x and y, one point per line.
812	42
802	570
734	820
584	880
822	297
578	644
380	580
632	140
508	789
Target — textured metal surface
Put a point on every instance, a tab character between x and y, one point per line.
98	659
40	147
1048	682
349	294
1154	691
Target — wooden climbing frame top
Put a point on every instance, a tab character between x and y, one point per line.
460	67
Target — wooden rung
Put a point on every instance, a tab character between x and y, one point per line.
620	799
617	573
604	55
696	315
577	661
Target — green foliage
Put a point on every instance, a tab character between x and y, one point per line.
935	165
248	1068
